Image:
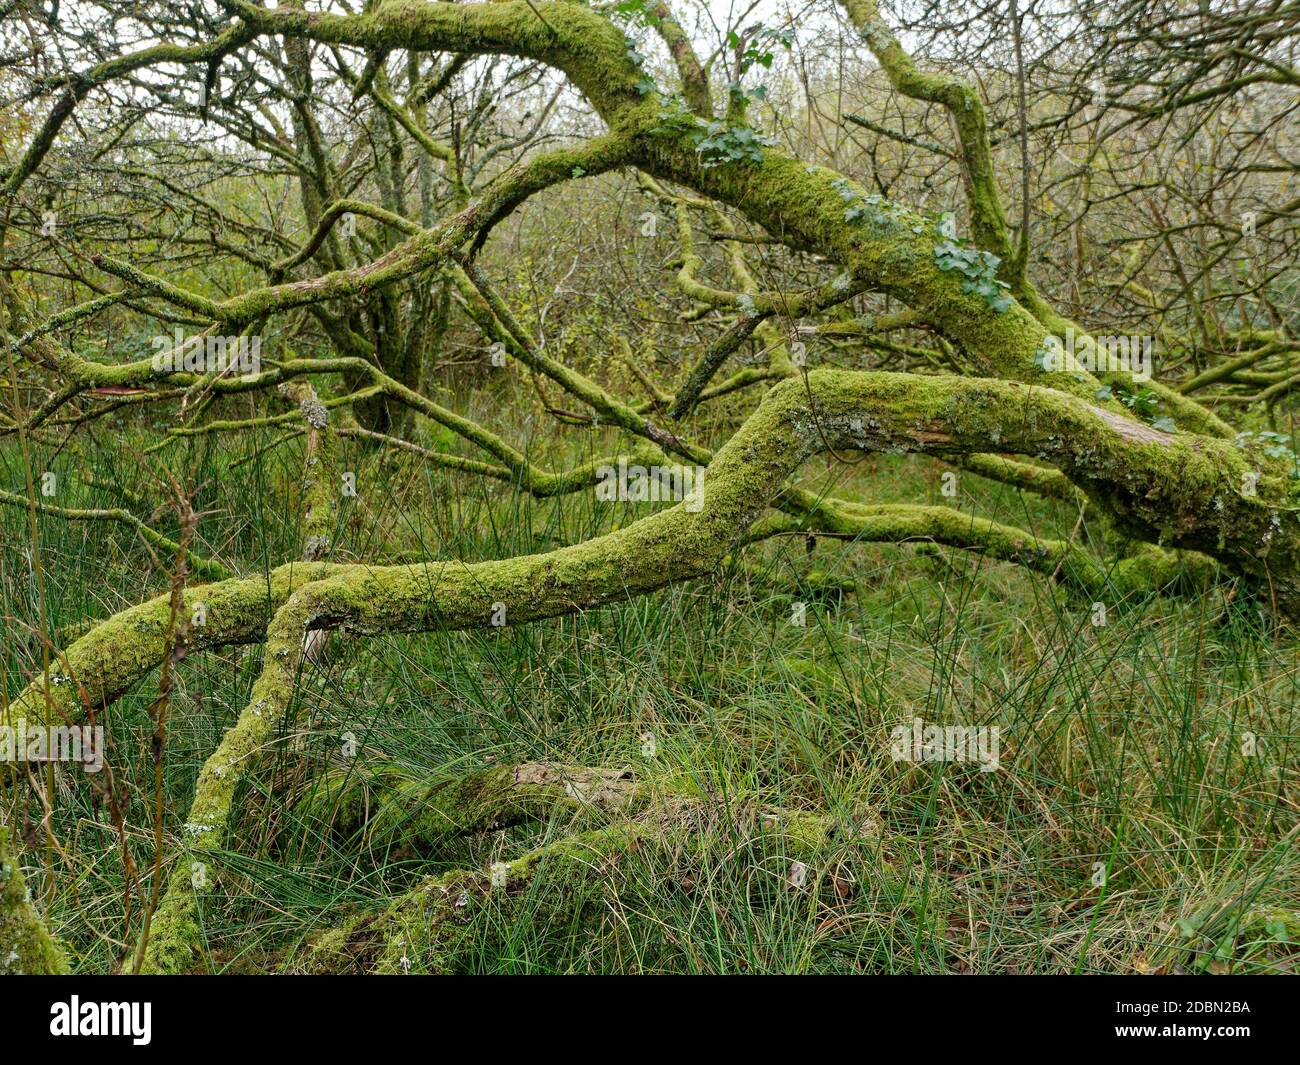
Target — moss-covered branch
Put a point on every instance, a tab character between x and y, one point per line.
1149	570
434	928
1184	490
202	566
391	808
26	946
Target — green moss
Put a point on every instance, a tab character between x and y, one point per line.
447	922
1182	490
26	946
119	651
411	815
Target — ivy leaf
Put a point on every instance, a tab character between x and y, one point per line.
1164	423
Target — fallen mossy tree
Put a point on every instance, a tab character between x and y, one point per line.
442	924
386	806
1171	488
